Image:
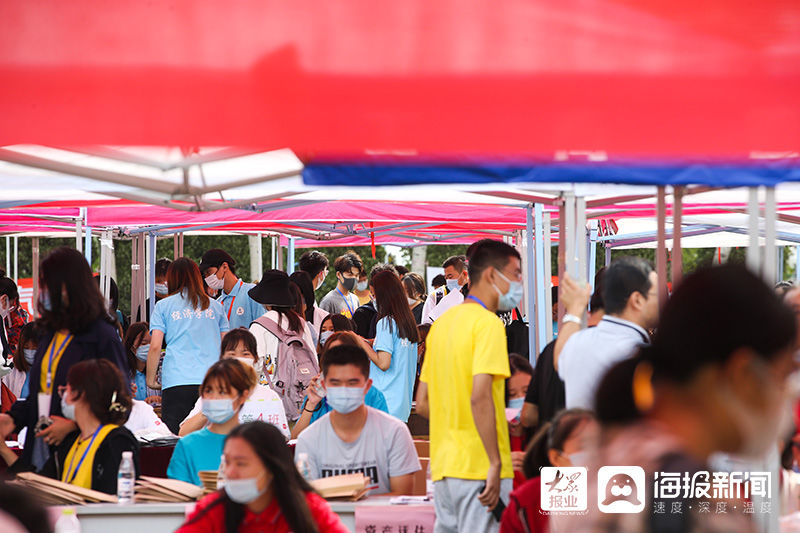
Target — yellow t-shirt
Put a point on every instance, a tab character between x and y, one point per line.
465	341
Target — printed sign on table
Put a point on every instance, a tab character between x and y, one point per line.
394	518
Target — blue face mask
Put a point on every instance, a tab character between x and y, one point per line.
44	299
67	409
141	352
345	400
324	336
218	411
29	354
511	299
161	288
516	403
452	285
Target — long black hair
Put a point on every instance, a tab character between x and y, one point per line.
132	336
303	281
290	487
392	302
712	314
67	269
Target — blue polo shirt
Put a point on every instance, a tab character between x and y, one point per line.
201	450
193	338
397	382
240	309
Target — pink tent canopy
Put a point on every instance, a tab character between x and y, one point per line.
662	78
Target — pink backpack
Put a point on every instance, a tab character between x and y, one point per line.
296	365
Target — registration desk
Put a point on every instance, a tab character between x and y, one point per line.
166	517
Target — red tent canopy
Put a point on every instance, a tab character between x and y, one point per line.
659	78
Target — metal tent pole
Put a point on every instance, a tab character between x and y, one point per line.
151	287
769	267
35	265
661	250
87	246
530	269
542	313
580	237
290	256
548	275
16	259
753	249
677	231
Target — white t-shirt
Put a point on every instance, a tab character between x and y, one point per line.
143	420
267	343
263	404
383	450
451	299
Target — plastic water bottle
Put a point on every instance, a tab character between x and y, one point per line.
303	466
221	473
68	522
125	479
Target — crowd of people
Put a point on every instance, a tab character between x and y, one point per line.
236	370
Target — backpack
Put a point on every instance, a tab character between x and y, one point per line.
295	367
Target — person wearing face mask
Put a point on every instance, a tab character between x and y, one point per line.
516	388
263	403
218	269
77	327
354	434
315	405
226	387
462	392
365	318
315	264
456	278
19	379
137	346
569	440
161	287
393	353
96	398
716	379
415	291
193	326
12	318
361	289
330	325
263	492
342	300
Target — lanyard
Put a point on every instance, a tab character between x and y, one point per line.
345	301
53	352
234	299
69	479
471	297
645	338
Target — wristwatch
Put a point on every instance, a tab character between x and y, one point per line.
571	318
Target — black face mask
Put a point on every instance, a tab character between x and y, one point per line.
349	283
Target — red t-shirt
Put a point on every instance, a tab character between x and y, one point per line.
523	512
270	520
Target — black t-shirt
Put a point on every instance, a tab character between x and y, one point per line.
546	389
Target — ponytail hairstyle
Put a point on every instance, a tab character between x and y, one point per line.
552	436
289	487
712	314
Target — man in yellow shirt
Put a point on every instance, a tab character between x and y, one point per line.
462	391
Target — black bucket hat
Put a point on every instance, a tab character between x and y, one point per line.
273	289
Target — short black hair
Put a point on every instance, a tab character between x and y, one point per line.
313	262
401	270
622	278
459	262
381	267
438	281
8	288
232	339
346	355
486	253
347	262
161	267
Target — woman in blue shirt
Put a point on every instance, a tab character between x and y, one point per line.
225	389
137	346
193	325
393	354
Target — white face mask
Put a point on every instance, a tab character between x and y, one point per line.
579	458
412	301
248	361
244	491
214	282
5	306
